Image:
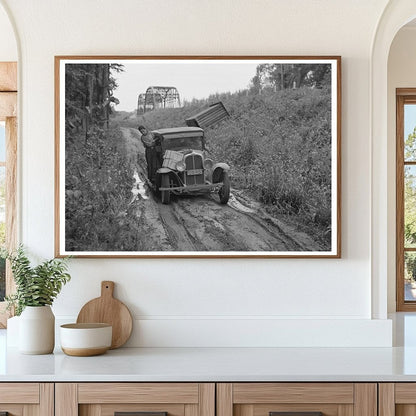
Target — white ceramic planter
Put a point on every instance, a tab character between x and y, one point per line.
37	330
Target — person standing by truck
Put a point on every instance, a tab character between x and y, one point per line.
153	151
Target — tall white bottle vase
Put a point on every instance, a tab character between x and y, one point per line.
37	330
13	332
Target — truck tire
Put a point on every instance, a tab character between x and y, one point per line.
224	191
165	183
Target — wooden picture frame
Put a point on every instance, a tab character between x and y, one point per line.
266	127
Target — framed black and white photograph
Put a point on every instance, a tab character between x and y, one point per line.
198	156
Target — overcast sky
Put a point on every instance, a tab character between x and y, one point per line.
194	79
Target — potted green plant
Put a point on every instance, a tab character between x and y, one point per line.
36	289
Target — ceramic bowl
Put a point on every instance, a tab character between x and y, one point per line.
83	340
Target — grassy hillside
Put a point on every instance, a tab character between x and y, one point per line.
278	145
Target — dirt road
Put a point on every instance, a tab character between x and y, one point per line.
200	223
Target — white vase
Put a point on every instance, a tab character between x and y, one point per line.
12	334
37	330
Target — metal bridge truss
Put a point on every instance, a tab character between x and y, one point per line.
157	97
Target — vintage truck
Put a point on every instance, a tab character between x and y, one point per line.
186	167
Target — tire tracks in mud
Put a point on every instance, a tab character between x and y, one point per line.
179	234
211	232
297	240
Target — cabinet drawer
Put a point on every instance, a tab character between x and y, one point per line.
19	393
138	393
296	399
145	399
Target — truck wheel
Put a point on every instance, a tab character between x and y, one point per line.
224	191
165	183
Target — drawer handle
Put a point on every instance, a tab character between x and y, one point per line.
139	414
295	413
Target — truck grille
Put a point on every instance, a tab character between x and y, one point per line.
194	162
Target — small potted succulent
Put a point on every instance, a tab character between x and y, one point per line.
36	289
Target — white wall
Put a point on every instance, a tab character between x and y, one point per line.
401	74
197	302
8	47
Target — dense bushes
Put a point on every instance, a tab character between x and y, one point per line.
97	192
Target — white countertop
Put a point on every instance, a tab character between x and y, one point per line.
215	364
221	364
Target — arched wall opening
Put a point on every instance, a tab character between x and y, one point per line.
396	15
401	73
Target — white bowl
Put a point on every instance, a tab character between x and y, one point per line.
83	340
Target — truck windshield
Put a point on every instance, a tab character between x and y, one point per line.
182	143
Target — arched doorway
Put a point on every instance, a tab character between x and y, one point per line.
396	15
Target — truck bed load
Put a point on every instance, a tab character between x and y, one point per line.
213	114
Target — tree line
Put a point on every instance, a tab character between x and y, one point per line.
89	95
290	76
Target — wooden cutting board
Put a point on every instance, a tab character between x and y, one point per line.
108	310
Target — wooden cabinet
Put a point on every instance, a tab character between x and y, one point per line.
267	399
106	399
27	399
397	399
208	399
